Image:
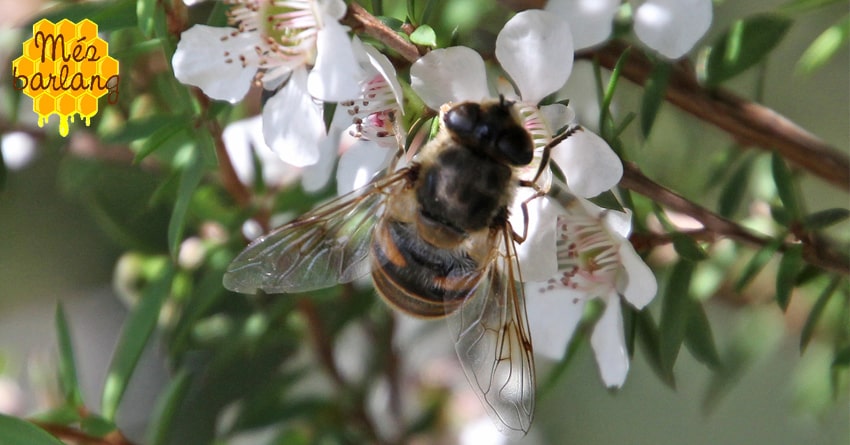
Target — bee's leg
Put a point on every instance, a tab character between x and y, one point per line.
544	161
524	206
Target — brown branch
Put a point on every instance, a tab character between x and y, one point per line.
748	122
360	20
67	433
819	255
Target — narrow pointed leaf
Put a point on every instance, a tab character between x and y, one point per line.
132	341
67	364
167	407
825	46
735	190
699	339
825	218
648	337
14	431
786	276
688	248
816	312
744	45
190	178
675	312
757	263
785	185
653	96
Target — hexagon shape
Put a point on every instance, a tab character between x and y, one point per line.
44	105
66	104
87	104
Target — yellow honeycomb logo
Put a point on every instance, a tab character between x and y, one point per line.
65	68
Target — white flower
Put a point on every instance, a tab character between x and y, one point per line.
670	27
247	149
272	42
18	149
373	120
595	260
535	49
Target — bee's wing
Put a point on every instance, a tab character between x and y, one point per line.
325	246
493	341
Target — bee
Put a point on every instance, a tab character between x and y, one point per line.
436	238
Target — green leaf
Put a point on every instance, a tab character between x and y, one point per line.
109	16
842	358
97	426
653	96
132	341
785	185
675	312
424	35
825	46
67	365
698	337
146	13
735	189
14	431
63	415
189	180
816	312
167	407
744	45
786	276
649	338
158	139
825	218
145	127
757	263
687	247
608	97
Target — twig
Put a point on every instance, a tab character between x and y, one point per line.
748	122
819	255
360	20
74	435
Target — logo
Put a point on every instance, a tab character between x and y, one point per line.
65	68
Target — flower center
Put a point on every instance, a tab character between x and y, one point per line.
374	115
588	256
287	29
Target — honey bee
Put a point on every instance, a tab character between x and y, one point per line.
436	237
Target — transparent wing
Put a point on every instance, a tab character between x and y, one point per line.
325	246
493	343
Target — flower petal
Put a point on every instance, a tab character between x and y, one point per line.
336	75
552	318
447	75
358	165
292	122
609	345
591	21
537	254
209	58
672	27
589	164
315	177
536	49
640	285
557	116
385	68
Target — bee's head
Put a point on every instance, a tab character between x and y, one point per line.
491	128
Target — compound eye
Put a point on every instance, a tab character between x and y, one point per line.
463	118
515	145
